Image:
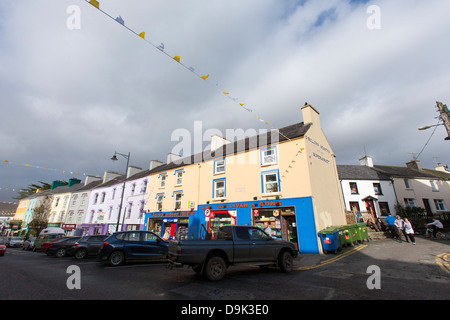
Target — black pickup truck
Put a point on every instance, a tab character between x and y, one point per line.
231	245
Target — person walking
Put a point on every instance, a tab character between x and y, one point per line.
409	231
390	220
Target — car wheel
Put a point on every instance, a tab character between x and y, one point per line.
61	252
285	261
197	268
116	258
215	268
81	254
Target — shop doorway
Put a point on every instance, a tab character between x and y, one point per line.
289	229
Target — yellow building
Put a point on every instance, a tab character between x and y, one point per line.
285	181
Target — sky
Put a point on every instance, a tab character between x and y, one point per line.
76	86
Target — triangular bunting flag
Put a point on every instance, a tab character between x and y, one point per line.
225	93
177	58
120	20
142	35
205	77
95	3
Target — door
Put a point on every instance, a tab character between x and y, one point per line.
132	244
94	244
262	247
241	241
427	206
291	229
152	247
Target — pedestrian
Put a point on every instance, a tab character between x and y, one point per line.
400	224
409	231
381	224
392	227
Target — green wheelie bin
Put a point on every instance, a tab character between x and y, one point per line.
348	235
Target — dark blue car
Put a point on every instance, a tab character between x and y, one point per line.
133	245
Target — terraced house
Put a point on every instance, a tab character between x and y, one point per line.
285	179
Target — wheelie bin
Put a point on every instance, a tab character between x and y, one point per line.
363	232
330	239
348	235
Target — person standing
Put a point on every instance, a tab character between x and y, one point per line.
399	226
409	231
390	220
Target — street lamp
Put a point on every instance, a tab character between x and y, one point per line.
114	158
435	125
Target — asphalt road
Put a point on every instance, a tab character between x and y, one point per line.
405	272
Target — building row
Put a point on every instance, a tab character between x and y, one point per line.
286	179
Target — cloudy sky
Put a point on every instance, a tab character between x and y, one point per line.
71	97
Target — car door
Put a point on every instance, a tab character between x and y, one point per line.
241	241
94	243
262	247
132	245
153	247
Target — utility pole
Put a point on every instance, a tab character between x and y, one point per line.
444	115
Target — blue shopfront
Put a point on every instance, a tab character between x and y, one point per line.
168	225
289	219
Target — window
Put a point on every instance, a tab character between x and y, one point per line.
178	200
83	198
268	156
179	177
110	212
74	199
384	208
434	186
130	208
353	188
270	182
409	202
132	236
440	205
149	237
159	200
219	188
133	187
377	189
114	193
219	166
407	184
103	197
141	208
57	202
144	186
95	198
163	177
354	204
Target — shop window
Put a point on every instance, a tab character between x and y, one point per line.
269	156
219	166
377	189
353	188
270	182
219	188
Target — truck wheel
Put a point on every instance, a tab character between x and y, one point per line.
285	261
215	268
197	268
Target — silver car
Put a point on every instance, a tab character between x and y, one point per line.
29	244
14	242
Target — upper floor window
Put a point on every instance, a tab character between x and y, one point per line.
163	177
269	156
409	202
144	186
103	197
407	184
434	186
159	201
377	189
271	182
179	174
178	200
353	188
219	166
95	198
219	188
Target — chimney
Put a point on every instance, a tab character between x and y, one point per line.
56	184
73	181
441	167
132	170
171	157
414	164
110	175
366	161
217	142
310	115
154	164
90	179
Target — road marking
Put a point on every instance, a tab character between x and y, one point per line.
339	257
443	261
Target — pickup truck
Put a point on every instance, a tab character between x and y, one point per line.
231	245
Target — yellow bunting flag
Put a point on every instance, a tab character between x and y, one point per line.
205	77
6	161
142	35
177	58
225	93
95	3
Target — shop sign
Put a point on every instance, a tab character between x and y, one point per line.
69	226
255	204
172	214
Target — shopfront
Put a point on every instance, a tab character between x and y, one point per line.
168	225
285	219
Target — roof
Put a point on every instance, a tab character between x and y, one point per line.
292	131
404	172
438	173
359	172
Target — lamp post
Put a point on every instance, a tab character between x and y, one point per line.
114	158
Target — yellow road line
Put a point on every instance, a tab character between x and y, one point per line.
443	261
339	257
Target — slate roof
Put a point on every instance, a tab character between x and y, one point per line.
359	172
404	172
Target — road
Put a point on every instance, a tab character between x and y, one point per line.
406	272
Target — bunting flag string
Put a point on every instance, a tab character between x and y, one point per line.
47	168
178	59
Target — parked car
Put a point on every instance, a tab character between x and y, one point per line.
14	242
133	245
44	247
29	243
232	245
59	248
87	246
2	247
